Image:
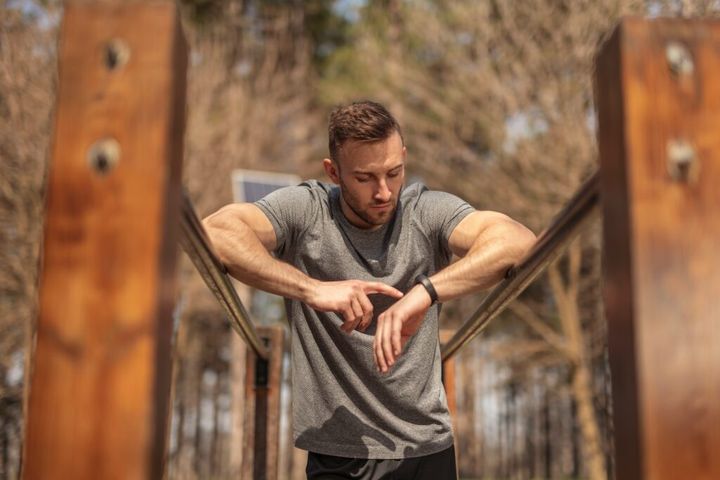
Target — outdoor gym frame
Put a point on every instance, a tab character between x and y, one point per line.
101	370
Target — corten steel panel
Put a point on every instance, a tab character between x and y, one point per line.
99	389
658	85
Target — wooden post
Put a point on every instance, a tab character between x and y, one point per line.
658	101
263	381
98	404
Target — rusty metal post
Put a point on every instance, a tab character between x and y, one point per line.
263	381
98	402
658	102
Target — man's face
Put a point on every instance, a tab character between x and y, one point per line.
370	176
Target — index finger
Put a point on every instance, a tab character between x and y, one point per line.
378	287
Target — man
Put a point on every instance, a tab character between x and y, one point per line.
364	266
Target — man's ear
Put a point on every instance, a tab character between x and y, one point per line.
331	170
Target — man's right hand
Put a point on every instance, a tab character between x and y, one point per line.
349	299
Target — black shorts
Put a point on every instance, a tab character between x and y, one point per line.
436	466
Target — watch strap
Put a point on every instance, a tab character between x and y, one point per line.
425	282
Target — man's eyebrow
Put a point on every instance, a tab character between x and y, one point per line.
365	172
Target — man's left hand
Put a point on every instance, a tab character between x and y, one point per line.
397	324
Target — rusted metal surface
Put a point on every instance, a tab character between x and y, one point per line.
658	100
263	381
550	244
98	402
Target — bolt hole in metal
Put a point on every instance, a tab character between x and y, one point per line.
103	156
117	54
682	163
679	58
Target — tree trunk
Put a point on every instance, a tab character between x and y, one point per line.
566	297
547	442
4	455
590	433
530	434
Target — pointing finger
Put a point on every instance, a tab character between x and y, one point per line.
378	287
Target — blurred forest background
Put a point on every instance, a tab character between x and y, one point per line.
495	98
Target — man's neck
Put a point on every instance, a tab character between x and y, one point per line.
354	218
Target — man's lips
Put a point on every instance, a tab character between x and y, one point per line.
382	205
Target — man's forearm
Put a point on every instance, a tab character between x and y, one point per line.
489	251
245	254
486	263
247	260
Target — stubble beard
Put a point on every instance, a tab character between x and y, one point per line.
364	216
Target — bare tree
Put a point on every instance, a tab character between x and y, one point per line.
27	84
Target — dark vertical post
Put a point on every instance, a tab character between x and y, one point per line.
448	379
99	394
262	407
658	102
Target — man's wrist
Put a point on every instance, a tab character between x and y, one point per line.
308	290
419	291
424	283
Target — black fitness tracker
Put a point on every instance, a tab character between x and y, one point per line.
425	282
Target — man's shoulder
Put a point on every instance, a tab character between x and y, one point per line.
296	208
413	191
308	191
432	205
418	194
318	187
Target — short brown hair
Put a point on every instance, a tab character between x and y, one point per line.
364	121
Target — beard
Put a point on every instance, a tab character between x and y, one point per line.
364	213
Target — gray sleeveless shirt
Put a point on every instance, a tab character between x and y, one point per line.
342	405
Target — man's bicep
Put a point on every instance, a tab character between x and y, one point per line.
256	219
229	217
471	228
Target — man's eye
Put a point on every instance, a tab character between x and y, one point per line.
393	174
361	180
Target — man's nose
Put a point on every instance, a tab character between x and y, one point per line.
383	193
